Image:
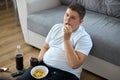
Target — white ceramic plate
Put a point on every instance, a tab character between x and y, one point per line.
36	71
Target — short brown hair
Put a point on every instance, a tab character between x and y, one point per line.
78	8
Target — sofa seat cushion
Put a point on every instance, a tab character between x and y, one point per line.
105	31
41	22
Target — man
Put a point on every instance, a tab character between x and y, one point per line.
66	47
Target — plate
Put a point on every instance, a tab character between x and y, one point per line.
39	72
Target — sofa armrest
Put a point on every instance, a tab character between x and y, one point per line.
26	7
22	13
37	5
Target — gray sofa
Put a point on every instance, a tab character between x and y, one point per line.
102	22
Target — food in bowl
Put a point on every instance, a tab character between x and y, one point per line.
39	72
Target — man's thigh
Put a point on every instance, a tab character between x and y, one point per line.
26	75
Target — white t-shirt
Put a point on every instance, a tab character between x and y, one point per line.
56	56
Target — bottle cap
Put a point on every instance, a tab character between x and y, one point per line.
18	46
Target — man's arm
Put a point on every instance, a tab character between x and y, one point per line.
75	59
42	52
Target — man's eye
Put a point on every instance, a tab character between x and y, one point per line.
72	17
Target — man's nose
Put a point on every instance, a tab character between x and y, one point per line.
68	19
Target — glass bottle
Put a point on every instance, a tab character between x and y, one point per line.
19	58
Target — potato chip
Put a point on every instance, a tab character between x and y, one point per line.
38	73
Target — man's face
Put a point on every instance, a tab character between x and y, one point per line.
72	19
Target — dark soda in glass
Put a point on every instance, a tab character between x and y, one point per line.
19	62
33	62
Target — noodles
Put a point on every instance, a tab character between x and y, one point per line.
38	73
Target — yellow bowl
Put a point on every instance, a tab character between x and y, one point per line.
39	72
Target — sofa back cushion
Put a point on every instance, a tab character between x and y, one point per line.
108	7
94	5
66	2
113	7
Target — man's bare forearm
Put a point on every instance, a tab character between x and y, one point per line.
73	58
42	52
